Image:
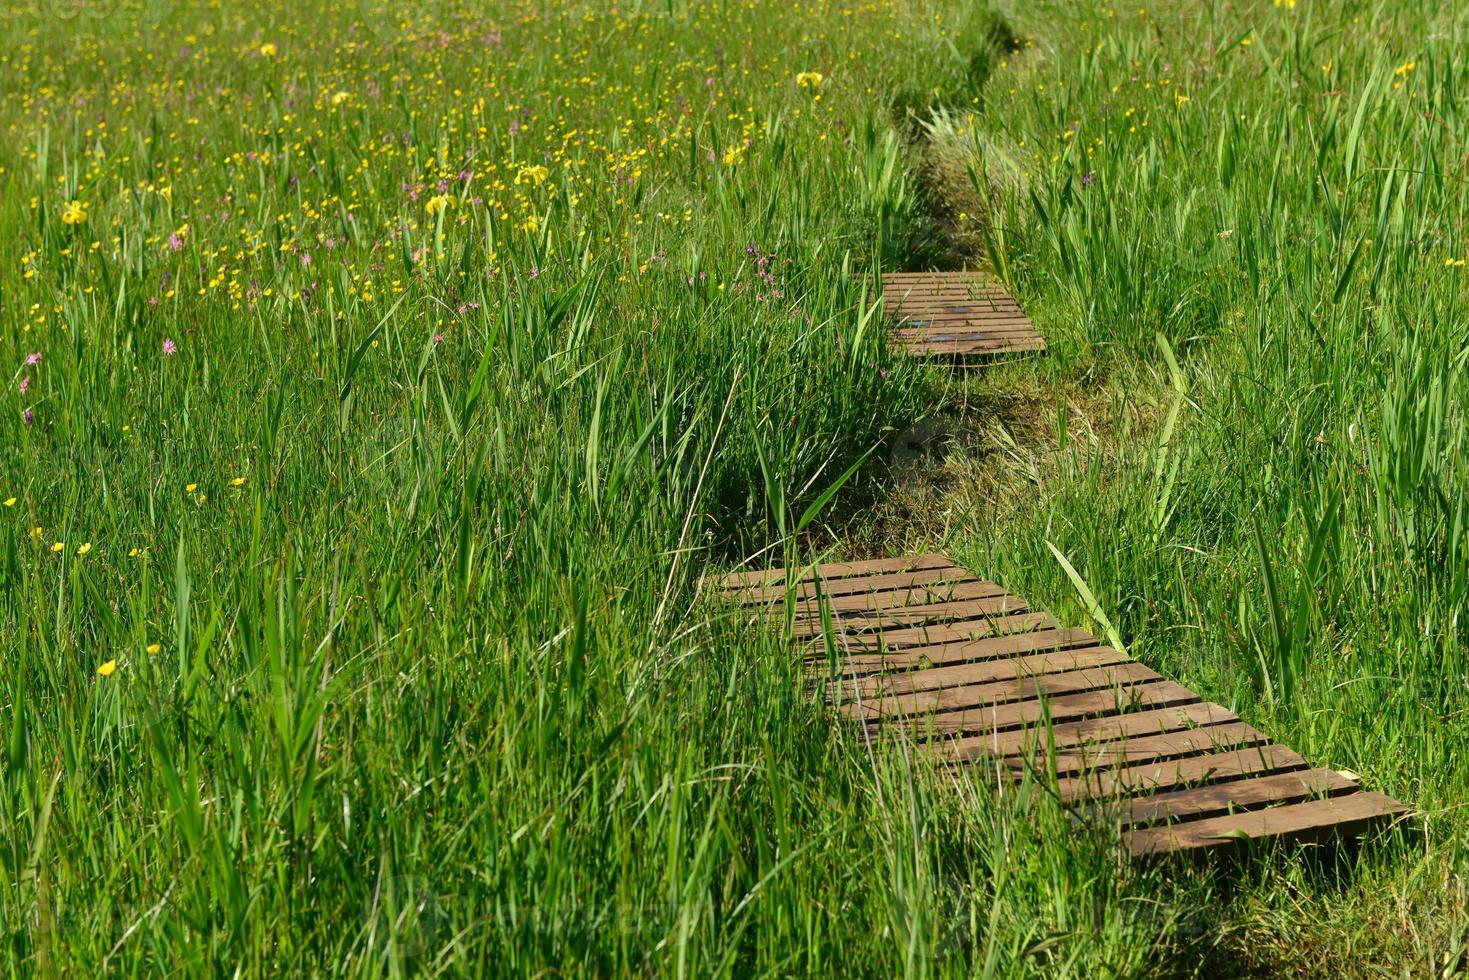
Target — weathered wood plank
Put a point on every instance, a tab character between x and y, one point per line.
759	595
1196	770
1212	801
966	651
1005	717
1095	758
837	570
1340	816
986	671
1000	692
1040	738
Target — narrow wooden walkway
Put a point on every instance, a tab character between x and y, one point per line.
974	674
957	315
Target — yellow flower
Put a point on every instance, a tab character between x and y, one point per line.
340	97
35	534
239	481
9	501
532	175
74	213
133	553
810	79
107	669
267	50
154	647
437	203
1448	263
732	155
86	547
58	547
1405	69
190	487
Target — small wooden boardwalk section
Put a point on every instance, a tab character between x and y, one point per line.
974	674
957	315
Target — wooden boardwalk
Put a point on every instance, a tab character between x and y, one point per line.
957	315
974	674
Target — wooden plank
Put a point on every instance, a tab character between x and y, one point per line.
939	612
936	276
1065	708
983	672
938	633
837	570
1095	758
1105	728
960	333
1213	801
1196	770
973	347
946	654
1315	820
858	604
948	312
952	314
850	586
1000	692
916	328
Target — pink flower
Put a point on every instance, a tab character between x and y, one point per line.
169	347
25	383
33	358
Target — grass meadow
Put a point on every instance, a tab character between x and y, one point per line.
385	376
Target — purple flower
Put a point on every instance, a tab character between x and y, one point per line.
29	416
1086	180
175	243
534	272
169	347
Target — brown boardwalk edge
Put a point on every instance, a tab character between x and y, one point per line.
956	315
973	674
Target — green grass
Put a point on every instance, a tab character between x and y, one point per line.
412	362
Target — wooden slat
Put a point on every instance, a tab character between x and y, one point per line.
856	604
852	586
1000	692
946	654
837	570
1213	801
939	612
934	633
1090	730
1095	758
977	346
1004	717
1196	770
983	672
1340	816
